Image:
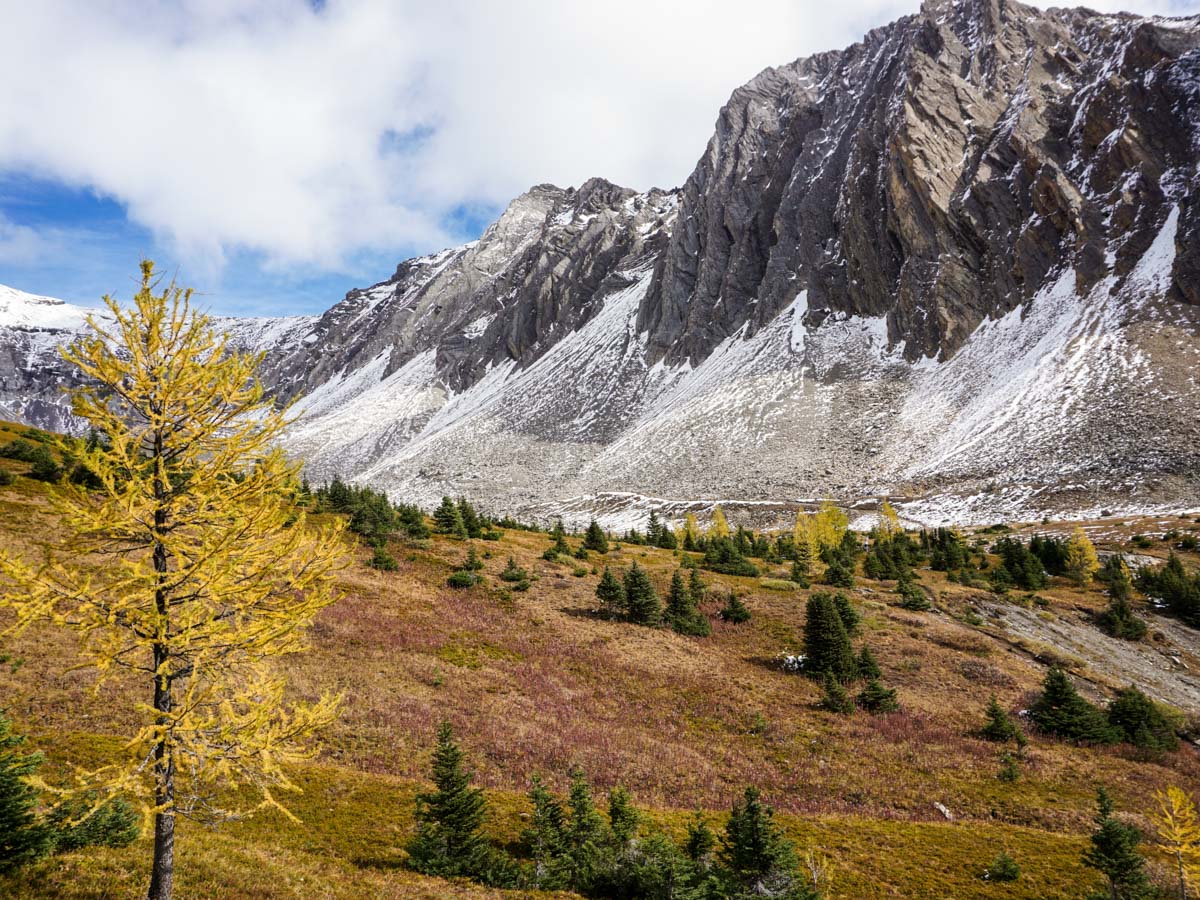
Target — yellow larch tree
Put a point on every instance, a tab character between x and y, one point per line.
1179	834
824	528
719	528
1081	563
806	552
690	529
889	522
188	568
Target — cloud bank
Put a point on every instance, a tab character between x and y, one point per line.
309	132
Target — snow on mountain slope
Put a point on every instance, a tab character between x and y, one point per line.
793	412
33	313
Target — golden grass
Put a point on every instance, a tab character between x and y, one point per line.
535	681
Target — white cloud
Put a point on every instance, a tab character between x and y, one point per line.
310	135
21	245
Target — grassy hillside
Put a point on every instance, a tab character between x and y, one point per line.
536	681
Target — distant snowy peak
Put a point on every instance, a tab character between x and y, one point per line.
30	311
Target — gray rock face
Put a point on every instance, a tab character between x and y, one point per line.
537	274
958	262
941	171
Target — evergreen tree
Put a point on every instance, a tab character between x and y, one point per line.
622	817
700	840
799	575
696	588
1141	722
1113	853
867	666
339	495
447	519
1051	551
1119	619
755	855
1060	711
558	536
1171	583
826	644
1081	563
514	573
584	834
654	868
372	516
472	563
1003	869
546	838
912	596
653	529
79	823
658	534
382	560
1021	567
641	600
682	614
470	519
877	699
743	541
722	555
948	551
847	612
611	594
412	520
998	725
1010	771
835	698
448	842
679	602
838	571
595	539
45	467
23	838
735	611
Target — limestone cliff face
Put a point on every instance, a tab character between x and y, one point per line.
939	172
536	275
958	261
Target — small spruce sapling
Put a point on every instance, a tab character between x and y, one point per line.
876	698
835	699
867	666
641	600
1114	853
23	837
998	726
735	611
1002	869
611	594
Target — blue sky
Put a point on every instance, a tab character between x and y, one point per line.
276	153
87	246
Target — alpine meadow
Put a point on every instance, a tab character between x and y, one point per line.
825	528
